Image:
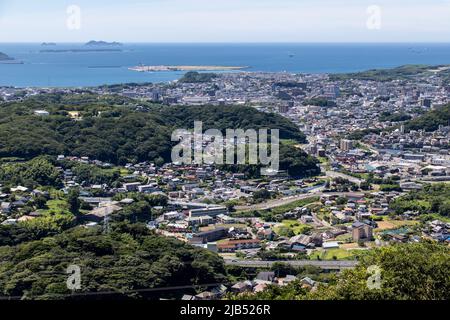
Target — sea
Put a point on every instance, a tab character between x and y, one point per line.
69	65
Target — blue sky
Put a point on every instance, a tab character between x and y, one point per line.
226	21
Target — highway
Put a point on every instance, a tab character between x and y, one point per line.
334	174
328	265
287	200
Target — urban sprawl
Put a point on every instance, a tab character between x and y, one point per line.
322	221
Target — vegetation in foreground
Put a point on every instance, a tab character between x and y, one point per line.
129	262
408	272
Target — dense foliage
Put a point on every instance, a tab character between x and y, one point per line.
321	102
433	198
394	117
39	171
128	262
431	120
402	72
115	129
4	57
230	117
197	77
418	271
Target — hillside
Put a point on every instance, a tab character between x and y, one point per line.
129	262
431	120
196	77
399	73
4	57
121	130
402	267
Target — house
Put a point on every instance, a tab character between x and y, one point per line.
19	189
260	287
362	232
131	187
212	211
180	226
42	113
330	245
219	291
25	218
126	201
149	188
200	221
265	234
233	245
210	236
99	214
9	222
266	276
206	295
307	219
243	286
174	215
285	281
96	201
5	207
308	283
224	219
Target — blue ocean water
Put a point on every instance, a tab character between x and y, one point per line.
70	69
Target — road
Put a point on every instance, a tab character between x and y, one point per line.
334	174
287	200
328	265
278	202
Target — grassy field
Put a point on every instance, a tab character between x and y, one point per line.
344	237
389	224
291	225
332	254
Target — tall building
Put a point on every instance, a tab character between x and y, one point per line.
332	92
362	232
283	109
425	102
346	145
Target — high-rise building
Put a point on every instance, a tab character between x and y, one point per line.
346	145
425	102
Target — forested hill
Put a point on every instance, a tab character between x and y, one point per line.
431	120
4	57
219	117
398	73
115	129
129	262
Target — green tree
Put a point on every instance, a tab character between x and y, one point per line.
74	201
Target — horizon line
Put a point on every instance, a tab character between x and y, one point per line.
233	42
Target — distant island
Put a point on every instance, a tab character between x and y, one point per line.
48	44
5	57
79	50
184	68
103	43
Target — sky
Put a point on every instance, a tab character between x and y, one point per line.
225	20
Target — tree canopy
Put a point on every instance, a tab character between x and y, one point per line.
129	262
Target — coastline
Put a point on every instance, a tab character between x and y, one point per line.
184	68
